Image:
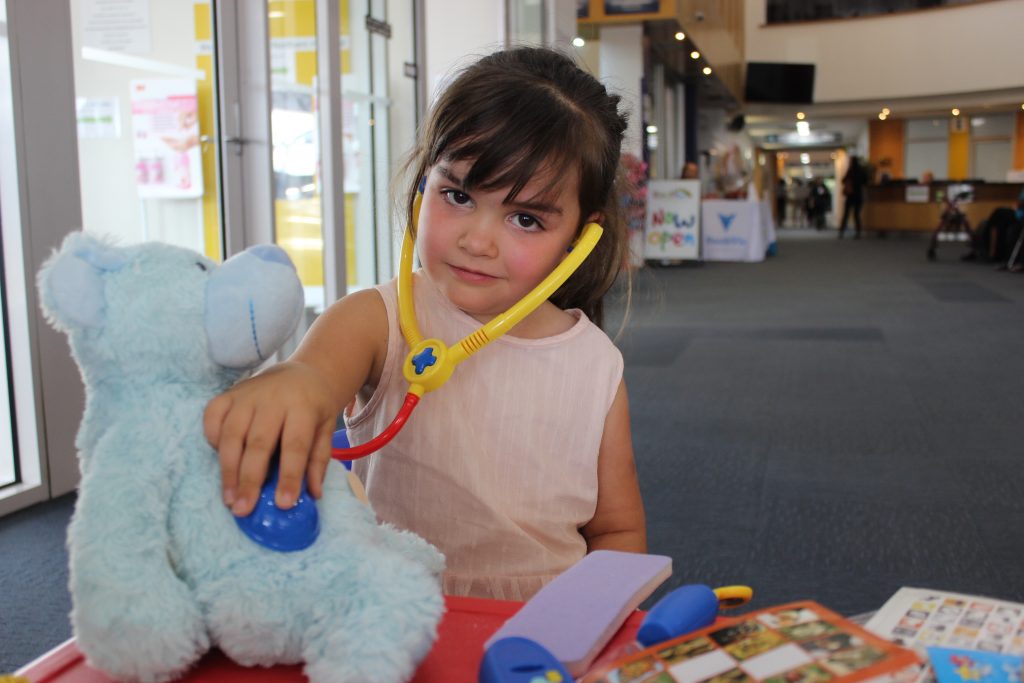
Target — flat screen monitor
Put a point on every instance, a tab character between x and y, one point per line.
780	83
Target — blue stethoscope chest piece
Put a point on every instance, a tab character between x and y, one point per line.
283	530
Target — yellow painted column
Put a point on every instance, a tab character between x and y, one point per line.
208	152
959	149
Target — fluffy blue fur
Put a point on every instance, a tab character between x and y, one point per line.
160	572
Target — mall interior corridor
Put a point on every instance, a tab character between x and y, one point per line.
837	421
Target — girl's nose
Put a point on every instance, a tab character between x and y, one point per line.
478	239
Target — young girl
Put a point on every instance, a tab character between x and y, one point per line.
523	461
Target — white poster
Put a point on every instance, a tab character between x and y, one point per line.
916	194
672	230
116	25
732	230
98	117
166	131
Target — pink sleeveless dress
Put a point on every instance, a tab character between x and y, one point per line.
497	468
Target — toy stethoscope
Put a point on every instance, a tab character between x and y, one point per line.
427	366
430	362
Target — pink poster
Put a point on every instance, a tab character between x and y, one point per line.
166	128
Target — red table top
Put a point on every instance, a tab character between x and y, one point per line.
455	658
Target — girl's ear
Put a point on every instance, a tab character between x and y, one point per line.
595	217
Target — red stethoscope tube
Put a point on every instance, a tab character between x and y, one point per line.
378	442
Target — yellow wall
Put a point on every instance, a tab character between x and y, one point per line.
959	150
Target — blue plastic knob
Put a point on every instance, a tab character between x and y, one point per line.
340	440
282	530
685	609
521	660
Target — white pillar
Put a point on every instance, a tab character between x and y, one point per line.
457	33
622	72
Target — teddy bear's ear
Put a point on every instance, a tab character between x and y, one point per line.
71	281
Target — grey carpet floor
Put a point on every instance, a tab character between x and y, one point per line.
838	421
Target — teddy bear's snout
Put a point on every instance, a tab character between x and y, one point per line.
253	304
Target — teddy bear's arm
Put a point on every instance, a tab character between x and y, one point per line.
133	616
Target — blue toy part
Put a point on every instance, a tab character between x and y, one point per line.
521	660
685	609
282	530
340	440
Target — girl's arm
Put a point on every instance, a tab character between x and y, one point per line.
619	522
295	404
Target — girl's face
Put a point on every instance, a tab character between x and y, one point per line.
485	254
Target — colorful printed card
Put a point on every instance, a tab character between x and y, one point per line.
922	617
972	666
800	642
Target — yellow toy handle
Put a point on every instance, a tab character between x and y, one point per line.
430	363
733	596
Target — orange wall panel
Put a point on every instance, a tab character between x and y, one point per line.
1018	143
885	141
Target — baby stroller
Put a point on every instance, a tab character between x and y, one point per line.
952	224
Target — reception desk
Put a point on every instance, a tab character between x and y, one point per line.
886	207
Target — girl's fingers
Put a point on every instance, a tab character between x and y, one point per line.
213	417
296	441
230	444
321	457
260	442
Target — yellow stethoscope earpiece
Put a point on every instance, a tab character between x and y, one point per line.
430	362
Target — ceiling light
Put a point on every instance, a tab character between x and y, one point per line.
707	71
805	158
803	128
680	35
652	129
885	110
956	112
882	116
578	42
694	55
800	116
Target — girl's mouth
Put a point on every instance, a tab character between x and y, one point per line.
470	276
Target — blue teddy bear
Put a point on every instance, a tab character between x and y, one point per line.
160	571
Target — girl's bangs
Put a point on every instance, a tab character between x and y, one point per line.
509	156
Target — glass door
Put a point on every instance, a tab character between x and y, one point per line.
145	111
331	119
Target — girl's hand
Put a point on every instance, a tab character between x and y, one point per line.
288	405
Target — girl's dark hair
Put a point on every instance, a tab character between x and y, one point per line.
528	110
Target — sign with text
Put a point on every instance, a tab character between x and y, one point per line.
165	126
733	230
672	229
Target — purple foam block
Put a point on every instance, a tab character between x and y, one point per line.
576	615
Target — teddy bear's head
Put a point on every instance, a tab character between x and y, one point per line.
154	312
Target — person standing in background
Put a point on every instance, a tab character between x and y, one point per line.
853	191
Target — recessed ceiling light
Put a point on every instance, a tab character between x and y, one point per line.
882	116
956	112
578	42
694	55
707	71
885	110
652	129
800	116
680	35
